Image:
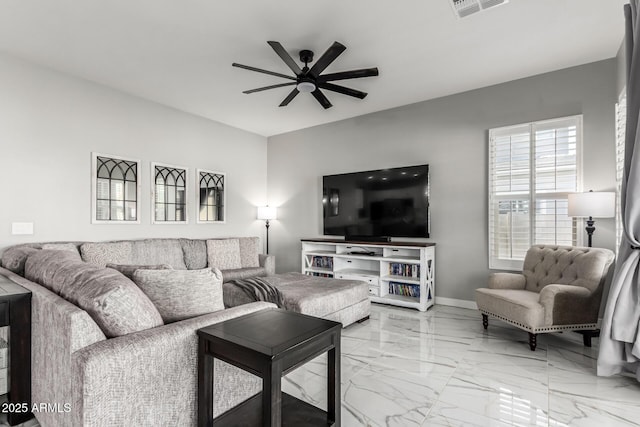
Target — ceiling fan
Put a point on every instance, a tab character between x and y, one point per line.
310	80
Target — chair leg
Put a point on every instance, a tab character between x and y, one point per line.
587	335
533	341
485	321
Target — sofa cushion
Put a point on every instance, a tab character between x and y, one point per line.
71	247
195	253
129	269
102	253
182	294
249	251
114	302
224	254
157	251
13	259
243	273
519	306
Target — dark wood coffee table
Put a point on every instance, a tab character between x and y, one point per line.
269	343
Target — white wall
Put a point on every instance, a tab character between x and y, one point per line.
450	134
51	122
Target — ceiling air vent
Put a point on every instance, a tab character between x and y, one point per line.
464	8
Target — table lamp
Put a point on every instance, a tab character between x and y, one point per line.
593	204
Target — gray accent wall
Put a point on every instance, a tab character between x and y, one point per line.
51	122
451	135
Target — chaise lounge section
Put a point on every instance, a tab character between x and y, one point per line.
344	301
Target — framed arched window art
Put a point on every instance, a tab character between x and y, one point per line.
169	194
115	190
211	196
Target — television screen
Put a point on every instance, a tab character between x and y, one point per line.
381	203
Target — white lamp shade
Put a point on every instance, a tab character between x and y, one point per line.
266	212
596	204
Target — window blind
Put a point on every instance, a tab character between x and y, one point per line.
532	168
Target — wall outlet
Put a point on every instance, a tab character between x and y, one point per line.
21	228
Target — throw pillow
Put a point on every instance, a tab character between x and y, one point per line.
128	269
224	254
182	294
249	251
13	259
195	253
114	302
42	266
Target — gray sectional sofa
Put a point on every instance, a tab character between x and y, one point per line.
113	372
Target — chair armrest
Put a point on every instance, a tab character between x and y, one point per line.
506	281
150	377
568	305
268	262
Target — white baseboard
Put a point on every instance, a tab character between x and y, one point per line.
453	302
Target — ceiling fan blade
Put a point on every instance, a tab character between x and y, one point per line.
289	97
260	89
321	99
284	55
259	70
343	90
344	75
327	58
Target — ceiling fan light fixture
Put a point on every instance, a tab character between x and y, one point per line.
306	87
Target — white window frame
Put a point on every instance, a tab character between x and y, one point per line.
153	194
621	123
224	197
94	193
530	195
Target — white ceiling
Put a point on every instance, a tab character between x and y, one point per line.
179	53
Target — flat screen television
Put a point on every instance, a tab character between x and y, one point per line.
378	204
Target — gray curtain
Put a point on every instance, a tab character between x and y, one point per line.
620	333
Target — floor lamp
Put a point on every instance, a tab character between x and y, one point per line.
266	213
593	204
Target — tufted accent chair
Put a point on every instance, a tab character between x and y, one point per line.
560	288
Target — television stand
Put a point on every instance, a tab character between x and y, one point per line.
398	273
358	238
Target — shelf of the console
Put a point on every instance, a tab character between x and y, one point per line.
405	260
359	272
366	257
400	300
402	279
320	253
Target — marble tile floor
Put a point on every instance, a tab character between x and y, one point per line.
440	368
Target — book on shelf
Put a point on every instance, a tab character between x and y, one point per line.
405	270
404	289
322	262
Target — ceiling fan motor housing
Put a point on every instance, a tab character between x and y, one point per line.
306	56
